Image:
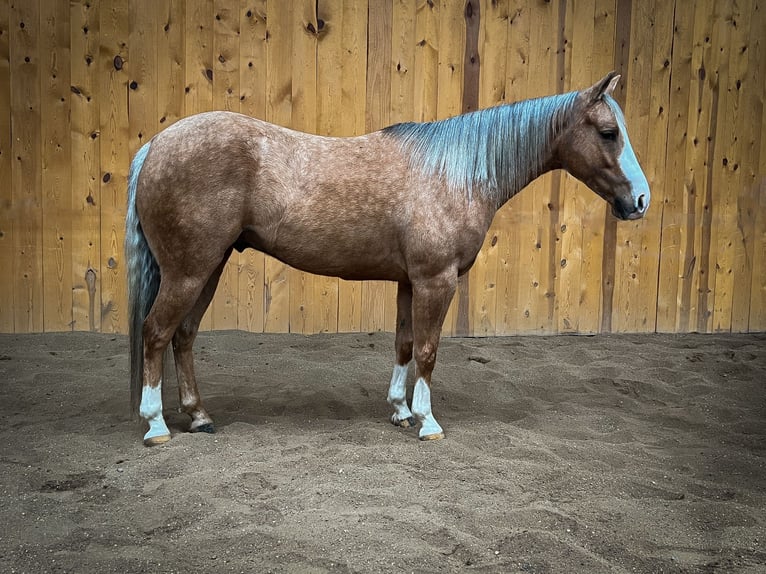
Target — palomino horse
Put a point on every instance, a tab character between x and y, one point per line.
410	203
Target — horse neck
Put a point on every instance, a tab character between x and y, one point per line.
528	142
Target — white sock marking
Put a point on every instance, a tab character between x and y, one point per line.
151	411
421	408
397	394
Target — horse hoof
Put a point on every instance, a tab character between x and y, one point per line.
156	440
435	436
206	428
407	423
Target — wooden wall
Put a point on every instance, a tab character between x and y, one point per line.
84	83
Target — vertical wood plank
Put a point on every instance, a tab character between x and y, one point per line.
279	39
669	290
27	274
353	119
452	37
170	62
305	29
374	300
330	60
695	292
582	213
427	61
532	248
471	86
512	273
252	69
7	250
554	260
198	74
653	164
625	313
85	132
493	43
546	194
757	318
56	176
724	176
226	59
115	159
746	130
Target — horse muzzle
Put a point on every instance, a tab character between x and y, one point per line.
633	207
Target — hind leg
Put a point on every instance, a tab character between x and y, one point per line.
183	341
397	390
174	300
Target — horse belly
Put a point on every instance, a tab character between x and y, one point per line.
358	254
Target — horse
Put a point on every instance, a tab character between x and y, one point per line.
410	203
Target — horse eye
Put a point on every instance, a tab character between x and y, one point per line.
608	135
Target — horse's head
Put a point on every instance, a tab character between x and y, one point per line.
596	150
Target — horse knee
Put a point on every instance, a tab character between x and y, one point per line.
403	351
425	355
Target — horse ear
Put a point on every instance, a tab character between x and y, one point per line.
605	86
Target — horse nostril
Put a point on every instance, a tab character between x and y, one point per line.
641	202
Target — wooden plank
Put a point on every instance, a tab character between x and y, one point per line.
143	115
330	60
653	163
582	214
378	93
305	29
6	191
279	40
252	69
452	37
757	319
304	118
469	103
529	56
353	103
493	43
403	59
508	219
142	93
198	74
669	289
226	58
56	177
27	274
404	14
694	301
546	191
115	159
746	130
569	235
724	177
599	242
626	315
427	61
85	142
170	62
198	57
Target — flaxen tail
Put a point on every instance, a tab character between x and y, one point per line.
143	280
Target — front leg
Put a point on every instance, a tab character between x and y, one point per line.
397	390
431	299
397	398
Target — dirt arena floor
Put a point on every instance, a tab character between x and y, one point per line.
563	454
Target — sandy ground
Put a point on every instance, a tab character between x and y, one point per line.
563	454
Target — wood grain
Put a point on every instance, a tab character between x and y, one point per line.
83	84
